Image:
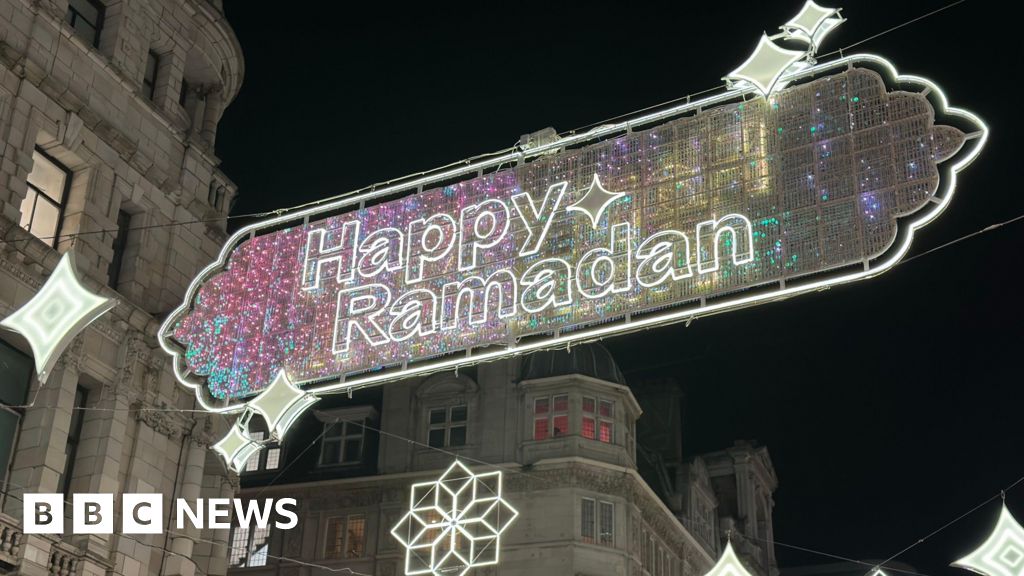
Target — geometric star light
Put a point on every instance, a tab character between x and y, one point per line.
812	24
454	523
766	65
281	404
1002	554
594	201
56	314
236	447
728	564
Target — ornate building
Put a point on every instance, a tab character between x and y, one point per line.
108	116
601	487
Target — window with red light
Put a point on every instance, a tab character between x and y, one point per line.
550	417
598	419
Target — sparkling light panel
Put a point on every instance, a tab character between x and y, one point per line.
810	179
455	523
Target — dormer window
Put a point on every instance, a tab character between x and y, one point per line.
344	436
448	427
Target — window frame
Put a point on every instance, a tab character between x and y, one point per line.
342	439
448	425
249	554
551	415
9	406
343	553
73	14
39	193
258	461
595	523
598	419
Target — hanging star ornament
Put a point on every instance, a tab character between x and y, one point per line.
728	564
56	314
765	66
1002	554
454	523
595	201
281	404
236	447
812	24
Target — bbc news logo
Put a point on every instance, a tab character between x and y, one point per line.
143	513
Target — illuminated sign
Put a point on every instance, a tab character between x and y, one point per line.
799	176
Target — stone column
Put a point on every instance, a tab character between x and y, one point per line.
39	456
179	560
218	564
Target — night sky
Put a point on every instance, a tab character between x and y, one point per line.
890	406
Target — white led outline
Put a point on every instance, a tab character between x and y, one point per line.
372	318
474	246
397	315
720	227
609	197
453	521
420	256
552	301
526	250
765	43
943	197
485	289
657	252
610	287
378	244
341	276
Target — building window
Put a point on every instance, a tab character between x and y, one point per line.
74	438
597	419
43	207
346	537
15	373
86	18
343	443
149	79
269	459
597	522
183	95
447	427
550	417
124	220
249	546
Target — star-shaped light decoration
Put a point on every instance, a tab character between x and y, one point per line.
236	447
594	201
56	314
812	24
728	564
281	404
455	523
1002	554
766	65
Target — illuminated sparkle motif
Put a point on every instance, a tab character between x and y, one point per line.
728	564
594	201
236	447
454	523
1002	554
766	65
56	314
281	404
812	24
818	176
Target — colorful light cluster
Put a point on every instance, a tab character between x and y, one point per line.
739	195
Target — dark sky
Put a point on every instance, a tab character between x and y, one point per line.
890	406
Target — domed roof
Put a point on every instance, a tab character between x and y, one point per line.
590	359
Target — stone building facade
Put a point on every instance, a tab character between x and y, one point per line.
108	117
563	427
